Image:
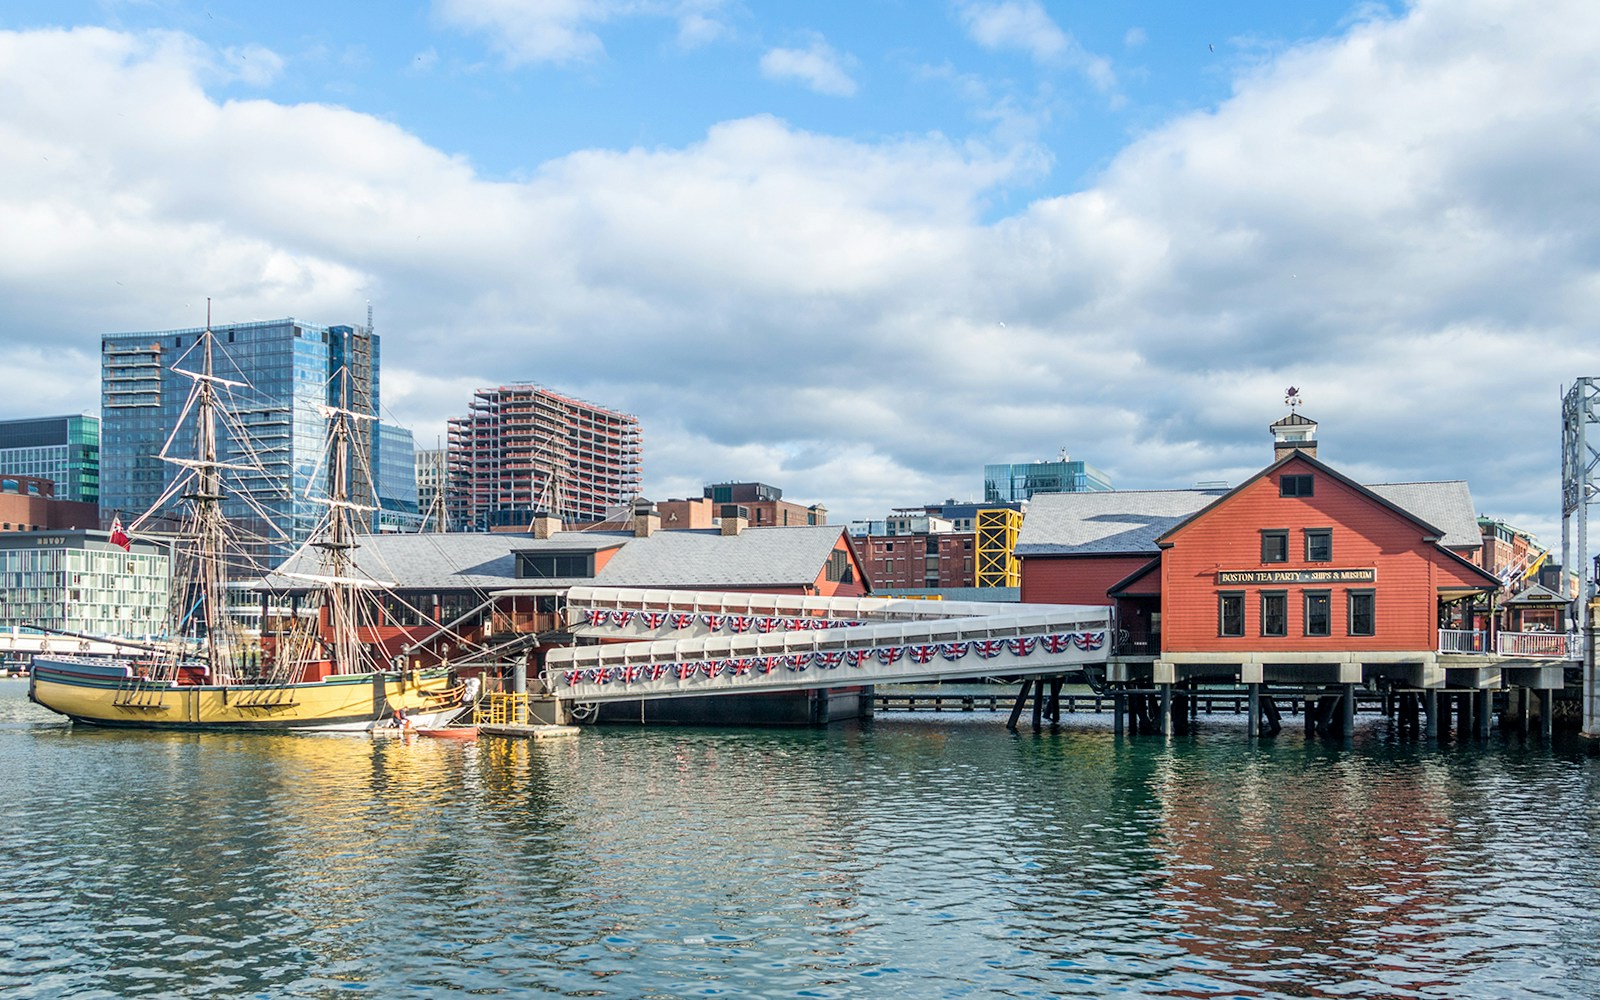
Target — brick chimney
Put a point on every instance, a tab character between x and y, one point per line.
646	520
735	518
545	524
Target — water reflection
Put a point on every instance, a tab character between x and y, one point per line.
919	857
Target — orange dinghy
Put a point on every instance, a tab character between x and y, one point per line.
451	733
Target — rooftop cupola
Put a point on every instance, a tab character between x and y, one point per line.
1294	432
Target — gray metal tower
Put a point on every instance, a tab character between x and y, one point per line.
1580	464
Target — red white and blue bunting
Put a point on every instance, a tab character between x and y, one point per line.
677	621
1020	647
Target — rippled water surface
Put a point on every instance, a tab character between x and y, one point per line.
916	856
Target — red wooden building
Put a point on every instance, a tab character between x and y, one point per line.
1299	575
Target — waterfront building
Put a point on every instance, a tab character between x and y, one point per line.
758	503
64	450
1299	572
1025	480
1513	555
28	503
80	581
938	548
511	587
287	369
524	450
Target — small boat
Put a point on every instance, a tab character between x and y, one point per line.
451	733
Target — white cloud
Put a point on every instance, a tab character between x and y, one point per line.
1398	221
1024	25
565	31
555	31
253	64
818	66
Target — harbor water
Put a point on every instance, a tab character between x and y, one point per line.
915	855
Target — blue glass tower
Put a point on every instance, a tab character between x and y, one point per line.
288	373
63	449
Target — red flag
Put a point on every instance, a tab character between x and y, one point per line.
118	536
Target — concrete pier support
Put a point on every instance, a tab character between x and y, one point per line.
1431	705
1164	723
1119	711
1252	725
1348	724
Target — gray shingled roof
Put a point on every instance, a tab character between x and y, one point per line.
1445	505
1128	521
454	561
1116	521
757	557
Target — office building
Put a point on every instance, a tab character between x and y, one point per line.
431	479
524	449
280	374
1023	481
64	450
395	476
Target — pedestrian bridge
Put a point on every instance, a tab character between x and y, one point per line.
691	643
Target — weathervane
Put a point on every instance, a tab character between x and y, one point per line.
1291	398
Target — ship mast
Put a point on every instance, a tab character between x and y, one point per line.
206	579
337	544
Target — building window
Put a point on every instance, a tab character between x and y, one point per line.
1275	613
1230	613
1318	603
1275	546
1295	486
1319	545
1362	618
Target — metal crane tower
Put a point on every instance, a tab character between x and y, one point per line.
1580	467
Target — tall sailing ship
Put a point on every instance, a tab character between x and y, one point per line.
205	674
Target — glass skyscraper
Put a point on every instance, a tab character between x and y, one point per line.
1020	481
288	373
396	479
65	450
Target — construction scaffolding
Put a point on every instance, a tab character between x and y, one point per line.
997	563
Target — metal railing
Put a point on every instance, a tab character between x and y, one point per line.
1453	640
1539	645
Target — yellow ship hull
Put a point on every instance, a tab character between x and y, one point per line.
107	694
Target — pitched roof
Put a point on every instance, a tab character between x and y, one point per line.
453	561
1446	505
1130	522
1101	523
756	557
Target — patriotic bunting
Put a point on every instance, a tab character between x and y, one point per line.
1022	646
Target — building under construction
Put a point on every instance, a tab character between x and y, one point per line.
523	449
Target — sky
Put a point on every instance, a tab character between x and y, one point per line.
854	250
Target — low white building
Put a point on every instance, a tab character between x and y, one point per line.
78	581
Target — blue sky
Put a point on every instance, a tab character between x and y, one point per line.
854	250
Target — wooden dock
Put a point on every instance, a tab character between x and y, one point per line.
527	732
